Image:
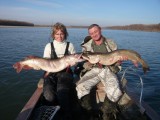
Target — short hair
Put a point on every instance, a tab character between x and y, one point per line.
93	25
59	26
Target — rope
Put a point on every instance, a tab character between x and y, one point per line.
141	82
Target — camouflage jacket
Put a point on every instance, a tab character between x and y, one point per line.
110	46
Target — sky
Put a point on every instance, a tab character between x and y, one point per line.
82	12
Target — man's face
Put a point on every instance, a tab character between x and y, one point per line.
95	33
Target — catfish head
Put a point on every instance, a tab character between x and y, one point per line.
74	59
91	57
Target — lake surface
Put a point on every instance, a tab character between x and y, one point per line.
17	43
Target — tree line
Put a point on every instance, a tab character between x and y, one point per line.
15	23
138	27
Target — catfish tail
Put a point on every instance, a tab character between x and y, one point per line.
144	65
18	67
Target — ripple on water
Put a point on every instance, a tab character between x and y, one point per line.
15	89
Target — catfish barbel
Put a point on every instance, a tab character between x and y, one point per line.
114	56
37	63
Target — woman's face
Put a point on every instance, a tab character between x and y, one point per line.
95	33
59	36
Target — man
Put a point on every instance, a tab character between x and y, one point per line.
103	74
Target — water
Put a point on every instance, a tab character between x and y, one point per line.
17	43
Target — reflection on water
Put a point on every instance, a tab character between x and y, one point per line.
17	43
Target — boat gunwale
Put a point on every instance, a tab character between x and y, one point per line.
30	105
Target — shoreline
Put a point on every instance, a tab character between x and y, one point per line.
106	28
5	26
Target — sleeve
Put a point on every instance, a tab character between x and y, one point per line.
83	49
47	51
72	49
113	46
87	46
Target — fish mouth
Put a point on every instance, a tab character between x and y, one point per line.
86	54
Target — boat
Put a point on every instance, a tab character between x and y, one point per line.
28	112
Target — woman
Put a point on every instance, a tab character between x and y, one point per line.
57	86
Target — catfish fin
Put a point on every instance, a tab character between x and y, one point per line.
26	67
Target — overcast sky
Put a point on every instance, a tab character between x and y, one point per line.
82	12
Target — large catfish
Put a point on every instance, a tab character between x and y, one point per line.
114	56
37	63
